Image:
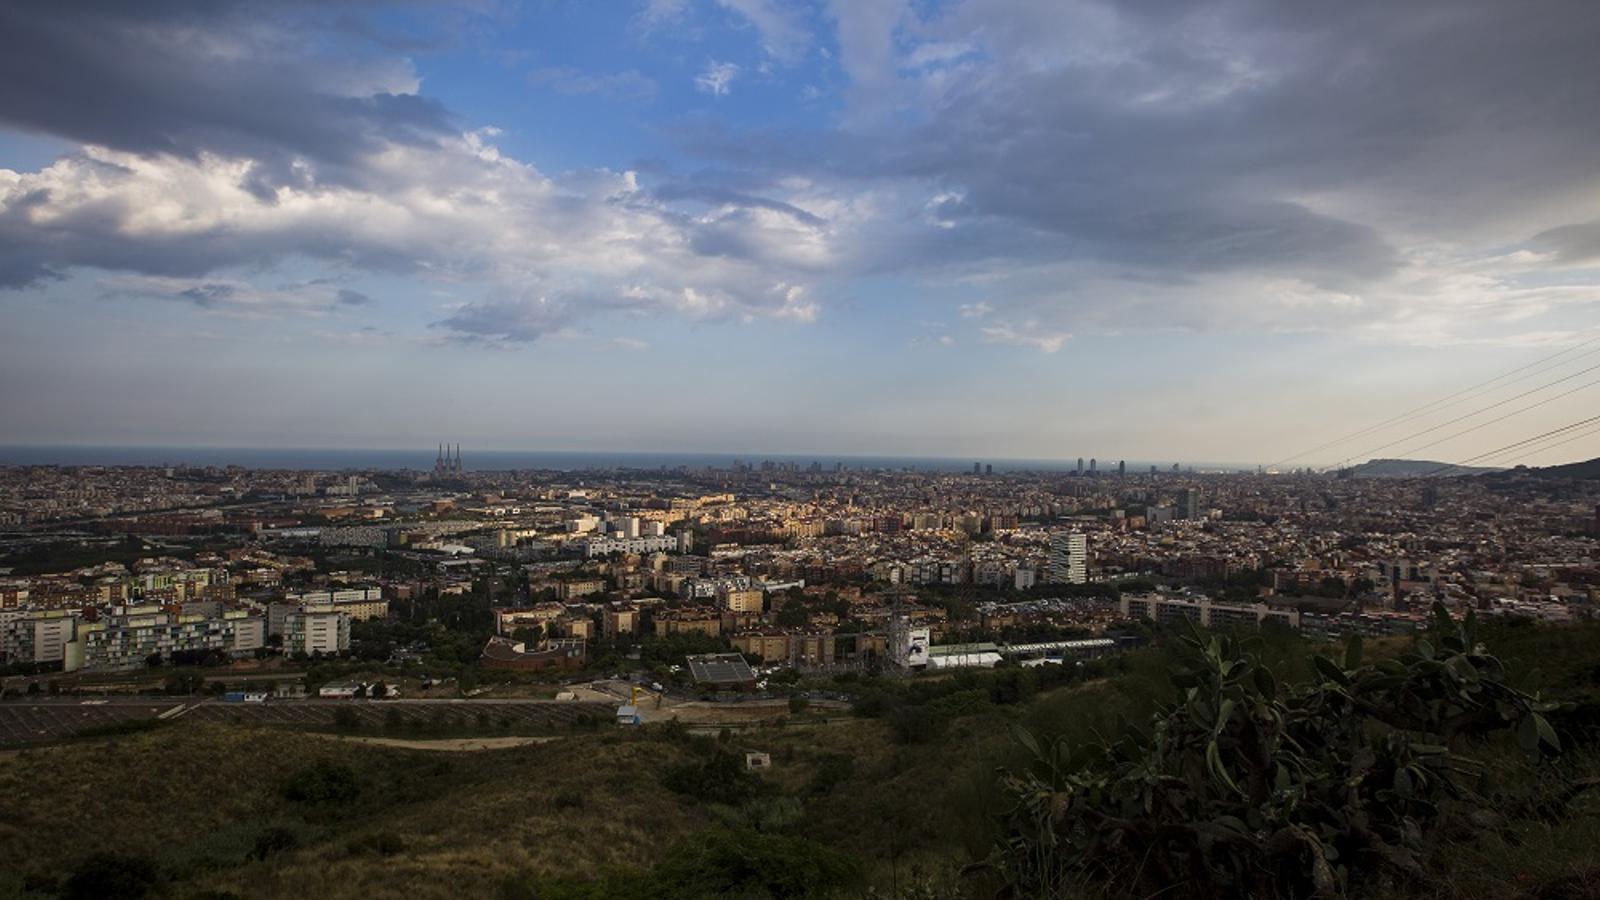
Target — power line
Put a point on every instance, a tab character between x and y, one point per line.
1567	440
1499	450
1497	404
1515	412
1452	399
1538	437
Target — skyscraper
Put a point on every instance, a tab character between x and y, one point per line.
1122	468
1068	562
1080	465
1188	504
1092	465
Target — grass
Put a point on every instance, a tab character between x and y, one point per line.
591	814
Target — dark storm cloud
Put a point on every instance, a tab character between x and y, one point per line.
185	78
1199	137
1572	243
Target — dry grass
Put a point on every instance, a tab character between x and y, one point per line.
197	796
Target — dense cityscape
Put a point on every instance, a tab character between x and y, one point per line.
811	568
799	450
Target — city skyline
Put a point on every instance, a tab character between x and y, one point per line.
966	229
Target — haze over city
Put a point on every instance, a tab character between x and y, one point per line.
1227	231
799	449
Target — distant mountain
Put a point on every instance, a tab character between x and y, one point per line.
1411	468
1587	469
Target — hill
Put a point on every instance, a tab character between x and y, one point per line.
1588	469
896	803
1411	468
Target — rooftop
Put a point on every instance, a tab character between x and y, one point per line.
721	668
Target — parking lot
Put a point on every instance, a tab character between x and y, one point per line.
377	714
44	721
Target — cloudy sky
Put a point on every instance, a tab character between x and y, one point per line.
1222	231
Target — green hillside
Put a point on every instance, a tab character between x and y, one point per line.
903	800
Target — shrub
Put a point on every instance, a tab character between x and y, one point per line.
915	724
273	840
742	864
1242	787
717	778
323	783
832	770
111	876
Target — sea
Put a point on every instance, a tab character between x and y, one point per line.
421	459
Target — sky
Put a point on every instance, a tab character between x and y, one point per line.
1145	229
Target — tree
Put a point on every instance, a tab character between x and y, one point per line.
792	614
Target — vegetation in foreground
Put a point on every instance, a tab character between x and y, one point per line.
927	794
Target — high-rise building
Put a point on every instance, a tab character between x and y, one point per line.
1080	465
1188	504
1092	465
977	469
1068	562
1122	468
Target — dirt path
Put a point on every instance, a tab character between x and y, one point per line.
452	745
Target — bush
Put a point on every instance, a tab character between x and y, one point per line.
916	724
1244	788
111	876
743	864
272	841
323	783
832	770
717	778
